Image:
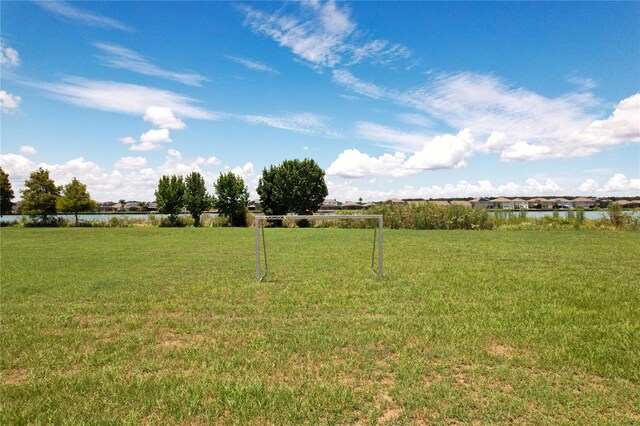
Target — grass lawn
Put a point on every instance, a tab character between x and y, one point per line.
159	325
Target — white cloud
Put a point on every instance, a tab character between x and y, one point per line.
352	163
9	103
347	190
415	119
123	98
244	172
121	57
302	122
131	163
28	150
497	141
391	138
155	136
8	56
127	140
163	117
443	152
317	34
589	186
213	161
253	65
523	150
323	34
346	79
620	184
17	166
82	16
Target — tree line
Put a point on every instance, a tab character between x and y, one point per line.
294	186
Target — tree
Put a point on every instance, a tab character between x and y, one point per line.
196	197
231	198
75	199
40	195
170	196
292	187
6	193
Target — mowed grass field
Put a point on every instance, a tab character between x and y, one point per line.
169	326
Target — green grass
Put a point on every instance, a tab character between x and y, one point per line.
160	325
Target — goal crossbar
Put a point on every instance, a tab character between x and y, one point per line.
377	235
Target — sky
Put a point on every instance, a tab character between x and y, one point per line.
391	99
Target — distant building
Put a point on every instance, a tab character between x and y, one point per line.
483	202
520	204
350	205
329	205
504	203
585	203
464	203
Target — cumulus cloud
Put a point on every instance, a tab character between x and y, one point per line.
131	163
244	172
127	140
8	56
123	97
253	65
163	117
73	13
522	150
152	140
28	150
442	151
352	163
619	183
121	57
213	161
130	183
9	103
348	190
589	186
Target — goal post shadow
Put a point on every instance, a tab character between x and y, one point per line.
259	235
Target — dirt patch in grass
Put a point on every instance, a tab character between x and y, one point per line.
500	350
16	376
173	340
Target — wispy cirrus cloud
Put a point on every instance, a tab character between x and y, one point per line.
518	123
86	17
123	97
306	122
322	34
121	57
253	65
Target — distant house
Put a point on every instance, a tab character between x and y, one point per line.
563	203
461	203
329	205
520	204
483	202
254	205
132	206
153	206
109	206
394	201
350	205
546	204
585	203
504	203
441	203
629	204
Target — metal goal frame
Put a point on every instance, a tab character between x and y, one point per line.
377	232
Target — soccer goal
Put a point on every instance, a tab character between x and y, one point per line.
260	221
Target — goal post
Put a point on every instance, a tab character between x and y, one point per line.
259	219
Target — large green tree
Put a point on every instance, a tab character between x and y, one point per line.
294	186
75	199
6	193
196	198
231	198
40	195
170	196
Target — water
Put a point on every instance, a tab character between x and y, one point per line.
104	217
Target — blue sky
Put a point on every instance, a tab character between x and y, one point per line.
392	99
